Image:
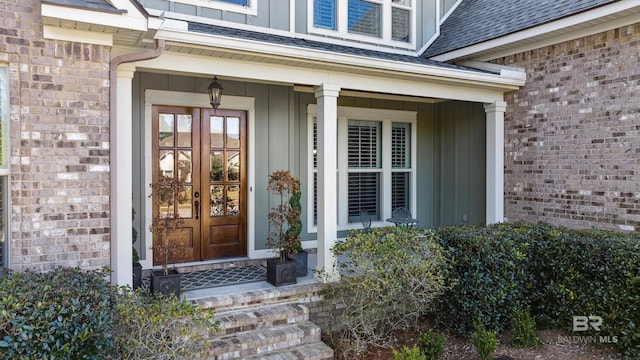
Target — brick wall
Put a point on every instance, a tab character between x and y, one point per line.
572	147
59	140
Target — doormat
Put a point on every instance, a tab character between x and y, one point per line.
223	277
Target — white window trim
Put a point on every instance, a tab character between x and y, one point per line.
387	117
5	169
342	27
252	9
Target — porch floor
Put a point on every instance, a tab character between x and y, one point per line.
256	281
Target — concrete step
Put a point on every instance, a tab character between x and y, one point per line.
262	341
315	351
235	321
299	293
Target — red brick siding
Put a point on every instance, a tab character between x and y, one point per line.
59	188
572	147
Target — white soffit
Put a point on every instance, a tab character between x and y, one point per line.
132	20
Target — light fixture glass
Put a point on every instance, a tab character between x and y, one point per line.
215	93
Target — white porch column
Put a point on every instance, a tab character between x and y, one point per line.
327	97
495	161
120	145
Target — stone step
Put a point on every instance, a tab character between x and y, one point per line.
315	351
235	321
300	293
263	341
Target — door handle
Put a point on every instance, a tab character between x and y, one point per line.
196	204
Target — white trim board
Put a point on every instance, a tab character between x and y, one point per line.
176	98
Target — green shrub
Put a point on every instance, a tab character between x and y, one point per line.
389	277
524	329
164	327
63	314
432	344
485	341
408	354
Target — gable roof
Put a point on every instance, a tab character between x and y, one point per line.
102	5
476	21
317	45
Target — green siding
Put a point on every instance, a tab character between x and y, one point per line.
461	130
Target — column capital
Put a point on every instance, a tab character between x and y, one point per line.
126	71
496	106
327	89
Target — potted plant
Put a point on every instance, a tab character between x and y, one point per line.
293	232
137	268
281	270
165	193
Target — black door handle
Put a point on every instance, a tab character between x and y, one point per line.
197	204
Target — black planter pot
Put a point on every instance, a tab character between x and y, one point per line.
301	263
166	284
281	272
137	275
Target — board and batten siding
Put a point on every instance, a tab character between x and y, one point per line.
450	149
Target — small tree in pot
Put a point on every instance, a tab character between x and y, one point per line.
282	271
165	194
293	232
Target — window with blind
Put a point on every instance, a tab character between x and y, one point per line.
375	164
392	21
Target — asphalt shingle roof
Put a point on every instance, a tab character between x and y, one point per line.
475	21
308	44
102	5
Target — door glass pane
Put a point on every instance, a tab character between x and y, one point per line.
166	129
233	166
233	200
217	200
185	126
185	166
185	203
233	133
166	163
217	131
217	166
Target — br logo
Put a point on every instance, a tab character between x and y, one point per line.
583	323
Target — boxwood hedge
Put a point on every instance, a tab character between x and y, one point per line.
558	272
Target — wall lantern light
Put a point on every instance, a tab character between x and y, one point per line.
215	93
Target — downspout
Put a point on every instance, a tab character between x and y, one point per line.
117	264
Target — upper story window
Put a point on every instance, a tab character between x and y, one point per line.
391	22
248	7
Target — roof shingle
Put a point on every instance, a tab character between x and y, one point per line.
475	21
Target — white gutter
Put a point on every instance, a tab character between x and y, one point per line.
182	35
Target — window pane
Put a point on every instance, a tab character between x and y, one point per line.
216	124
364	18
399	190
238	2
402	2
185	203
233	132
184	130
364	190
315	145
166	129
233	200
315	198
364	144
185	166
166	163
324	14
217	166
400	24
401	146
233	166
217	200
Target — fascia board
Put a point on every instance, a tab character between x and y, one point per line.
130	20
558	25
277	50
